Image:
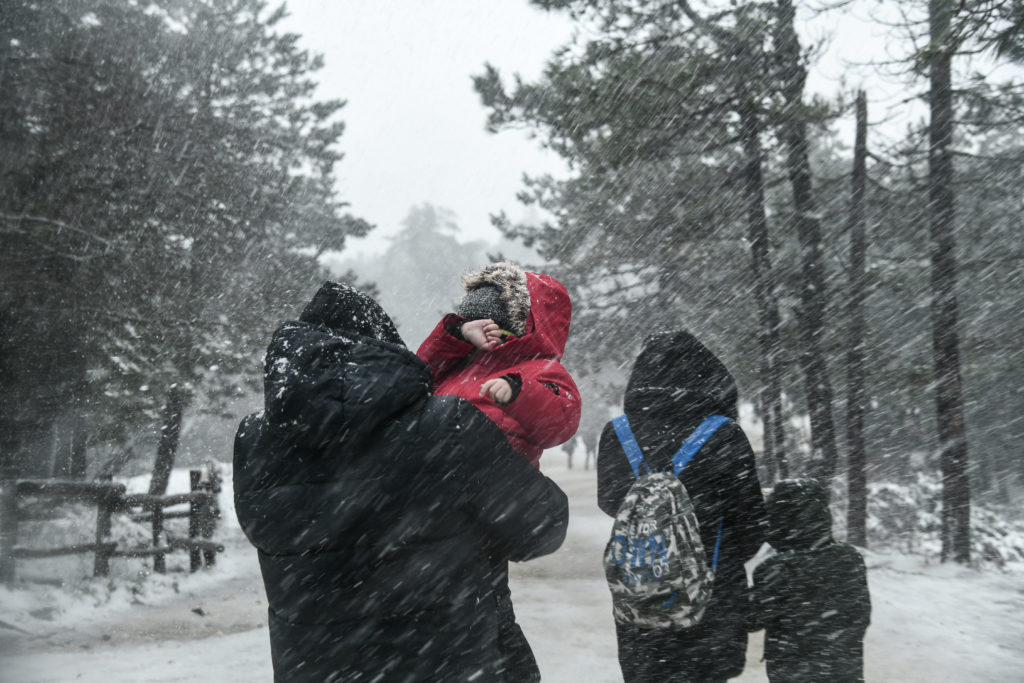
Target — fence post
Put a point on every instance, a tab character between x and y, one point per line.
159	565
203	514
195	556
104	509
8	528
211	510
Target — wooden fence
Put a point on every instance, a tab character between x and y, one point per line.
25	500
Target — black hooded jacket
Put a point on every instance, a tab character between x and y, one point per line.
812	597
675	384
374	505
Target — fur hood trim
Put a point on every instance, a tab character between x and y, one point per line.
510	279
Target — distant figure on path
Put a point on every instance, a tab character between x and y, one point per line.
676	383
376	507
592	421
812	596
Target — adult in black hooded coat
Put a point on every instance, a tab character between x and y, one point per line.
374	506
675	384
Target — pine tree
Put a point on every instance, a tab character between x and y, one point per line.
172	171
662	114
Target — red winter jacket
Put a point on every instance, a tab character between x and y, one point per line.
546	412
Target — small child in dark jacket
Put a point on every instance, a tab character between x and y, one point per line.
812	596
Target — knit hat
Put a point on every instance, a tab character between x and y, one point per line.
485	302
346	310
497	291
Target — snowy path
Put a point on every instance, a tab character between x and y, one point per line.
930	623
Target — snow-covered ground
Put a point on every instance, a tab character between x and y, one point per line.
930	622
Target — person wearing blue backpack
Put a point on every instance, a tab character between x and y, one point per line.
680	418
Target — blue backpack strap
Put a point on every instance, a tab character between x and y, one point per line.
629	445
699	437
718	542
686	452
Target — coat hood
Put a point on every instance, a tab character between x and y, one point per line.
798	515
676	374
339	371
510	282
550	314
538	305
341	309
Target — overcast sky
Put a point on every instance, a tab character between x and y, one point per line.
415	126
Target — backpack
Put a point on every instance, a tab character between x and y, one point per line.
655	563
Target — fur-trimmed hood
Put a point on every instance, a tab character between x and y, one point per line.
538	304
510	280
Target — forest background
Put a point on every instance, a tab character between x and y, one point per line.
170	194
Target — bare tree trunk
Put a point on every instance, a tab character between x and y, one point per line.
167	449
813	292
764	290
856	401
8	525
61	466
179	395
949	404
79	436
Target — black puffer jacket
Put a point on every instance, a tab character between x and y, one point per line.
812	597
675	384
374	505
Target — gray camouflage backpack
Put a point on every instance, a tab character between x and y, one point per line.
655	563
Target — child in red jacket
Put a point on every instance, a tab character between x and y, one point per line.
501	350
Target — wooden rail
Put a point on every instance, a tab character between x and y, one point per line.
19	502
77	549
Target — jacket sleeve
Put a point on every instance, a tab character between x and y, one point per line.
766	596
858	591
524	513
442	350
244	475
749	517
614	475
548	403
529	515
732	478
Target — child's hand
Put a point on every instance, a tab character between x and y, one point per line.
483	334
498	389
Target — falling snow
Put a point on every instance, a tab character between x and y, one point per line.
931	623
174	186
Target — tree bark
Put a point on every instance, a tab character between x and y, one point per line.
764	290
8	527
949	403
813	297
166	450
856	400
79	464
